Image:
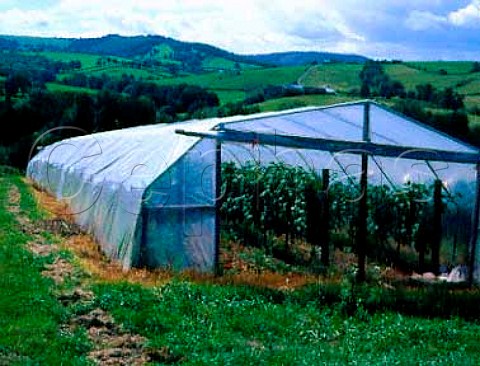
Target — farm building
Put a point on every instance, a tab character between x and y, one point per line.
148	194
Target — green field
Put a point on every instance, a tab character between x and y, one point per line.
472	88
233	85
162	52
472	101
210	324
55	87
86	59
229	96
451	67
248	80
412	77
118	71
341	77
222	63
344	77
302	101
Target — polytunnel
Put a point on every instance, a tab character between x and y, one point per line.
148	194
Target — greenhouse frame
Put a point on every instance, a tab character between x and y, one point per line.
150	195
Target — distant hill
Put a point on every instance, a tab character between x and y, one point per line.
115	45
304	58
27	43
120	46
171	49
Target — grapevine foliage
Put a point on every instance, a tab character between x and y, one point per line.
265	202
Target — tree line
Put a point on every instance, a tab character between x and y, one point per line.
441	108
377	83
34	67
28	109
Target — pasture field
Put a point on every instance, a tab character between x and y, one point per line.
56	87
247	80
87	60
341	77
234	85
472	88
411	77
118	71
451	67
344	77
229	96
302	101
222	63
472	101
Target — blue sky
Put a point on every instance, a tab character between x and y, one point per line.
408	29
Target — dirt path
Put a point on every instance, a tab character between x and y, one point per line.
302	77
112	345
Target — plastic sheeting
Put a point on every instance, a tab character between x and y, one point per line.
103	178
148	194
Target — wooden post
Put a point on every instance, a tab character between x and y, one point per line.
325	222
437	226
218	203
474	233
363	209
366	123
362	220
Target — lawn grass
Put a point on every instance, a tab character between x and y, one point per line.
30	315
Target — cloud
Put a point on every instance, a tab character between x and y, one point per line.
413	28
467	16
424	20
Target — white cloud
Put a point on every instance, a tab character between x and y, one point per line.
424	20
372	27
467	16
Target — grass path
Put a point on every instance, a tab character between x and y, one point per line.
96	337
30	315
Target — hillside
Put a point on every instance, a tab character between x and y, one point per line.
168	50
120	46
151	79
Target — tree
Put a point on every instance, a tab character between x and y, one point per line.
17	82
450	99
365	90
426	92
475	67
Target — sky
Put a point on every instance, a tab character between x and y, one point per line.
383	29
